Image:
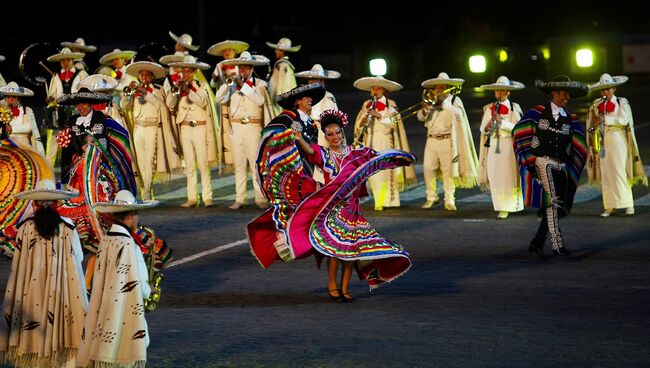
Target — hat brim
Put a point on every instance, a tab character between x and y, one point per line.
432	83
315	91
186	45
238	46
46	195
365	83
287	49
157	70
199	65
72	55
83	97
238	61
26	92
168	59
618	80
328	74
513	86
86	48
110	207
575	88
108	58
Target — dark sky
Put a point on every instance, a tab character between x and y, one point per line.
336	34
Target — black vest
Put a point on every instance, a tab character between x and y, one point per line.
552	138
67	86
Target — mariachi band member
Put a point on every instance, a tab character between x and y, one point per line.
183	43
23	123
449	152
62	83
282	78
498	170
79	45
614	161
248	101
319	75
379	126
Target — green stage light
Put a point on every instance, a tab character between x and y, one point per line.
584	58
477	64
503	55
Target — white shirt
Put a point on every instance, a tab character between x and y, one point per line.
85	120
558	111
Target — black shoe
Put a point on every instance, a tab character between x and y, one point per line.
562	251
347	298
336	298
537	247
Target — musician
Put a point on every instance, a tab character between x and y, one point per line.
617	165
79	45
449	152
194	122
175	74
379	126
85	127
152	133
23	123
549	145
282	78
249	105
102	84
229	49
117	60
120	284
498	168
64	82
183	43
320	76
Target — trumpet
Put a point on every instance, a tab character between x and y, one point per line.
369	120
430	97
131	89
179	88
234	79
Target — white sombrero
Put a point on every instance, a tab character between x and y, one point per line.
443	78
80	44
66	53
503	83
98	83
45	191
284	44
238	46
607	81
124	201
156	69
247	59
185	40
190	61
176	57
13	89
365	83
117	53
317	72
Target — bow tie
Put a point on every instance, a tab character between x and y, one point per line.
605	107
15	111
66	75
149	90
379	106
503	109
118	74
249	82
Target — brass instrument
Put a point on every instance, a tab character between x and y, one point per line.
494	128
234	80
597	132
369	120
155	279
179	88
131	89
429	97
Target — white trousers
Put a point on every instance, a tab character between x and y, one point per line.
437	156
617	192
245	140
145	140
193	140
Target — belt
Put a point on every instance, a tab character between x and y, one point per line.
193	123
247	121
146	123
439	136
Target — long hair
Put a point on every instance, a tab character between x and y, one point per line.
47	221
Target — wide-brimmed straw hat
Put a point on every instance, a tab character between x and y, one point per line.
563	83
315	90
442	78
185	40
365	83
66	53
503	83
218	48
45	190
80	44
317	72
124	201
156	69
83	95
245	58
117	53
190	61
284	44
176	57
98	83
607	81
13	89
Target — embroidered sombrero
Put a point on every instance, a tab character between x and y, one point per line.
238	46
156	69
45	191
124	201
503	83
245	58
315	90
80	44
190	61
563	83
66	53
365	83
83	95
442	78
284	44
607	81
176	57
98	83
317	72
13	89
185	40
117	53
